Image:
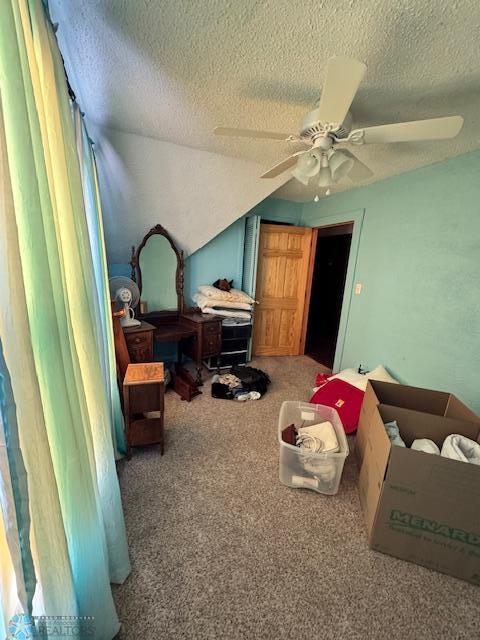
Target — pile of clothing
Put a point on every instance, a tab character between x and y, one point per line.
455	446
242	383
233	303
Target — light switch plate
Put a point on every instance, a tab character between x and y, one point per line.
358	288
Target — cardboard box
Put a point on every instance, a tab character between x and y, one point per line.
419	507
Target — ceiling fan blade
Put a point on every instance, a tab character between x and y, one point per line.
251	133
359	172
282	166
343	77
433	129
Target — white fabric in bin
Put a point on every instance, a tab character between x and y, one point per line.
318	437
300	468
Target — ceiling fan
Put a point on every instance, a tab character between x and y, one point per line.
330	124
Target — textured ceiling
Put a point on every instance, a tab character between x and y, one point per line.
174	69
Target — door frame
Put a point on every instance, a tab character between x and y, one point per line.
321	222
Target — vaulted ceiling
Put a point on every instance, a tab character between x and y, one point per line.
174	69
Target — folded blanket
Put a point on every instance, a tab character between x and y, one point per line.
461	448
214	303
227	313
234	295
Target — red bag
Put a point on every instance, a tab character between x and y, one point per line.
321	379
343	397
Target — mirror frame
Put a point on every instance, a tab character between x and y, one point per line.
136	273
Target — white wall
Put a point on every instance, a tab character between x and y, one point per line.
194	194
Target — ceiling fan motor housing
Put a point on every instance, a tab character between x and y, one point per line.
312	128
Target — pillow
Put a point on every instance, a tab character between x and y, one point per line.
234	295
381	375
352	377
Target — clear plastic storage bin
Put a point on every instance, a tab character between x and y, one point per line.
320	472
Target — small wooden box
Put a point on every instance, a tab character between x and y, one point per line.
143	393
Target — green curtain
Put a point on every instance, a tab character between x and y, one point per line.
96	260
50	334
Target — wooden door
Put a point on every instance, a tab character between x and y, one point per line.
283	260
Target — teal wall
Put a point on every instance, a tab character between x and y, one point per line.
419	262
278	210
222	257
119	269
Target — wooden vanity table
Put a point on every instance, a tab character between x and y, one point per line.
157	267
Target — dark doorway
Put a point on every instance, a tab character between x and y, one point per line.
328	284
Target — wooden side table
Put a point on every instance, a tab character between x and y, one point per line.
207	340
140	342
143	396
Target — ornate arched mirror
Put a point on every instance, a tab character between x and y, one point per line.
157	266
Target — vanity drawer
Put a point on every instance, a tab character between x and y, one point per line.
212	328
140	342
137	340
211	344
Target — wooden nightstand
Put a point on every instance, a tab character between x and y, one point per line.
207	340
140	342
143	393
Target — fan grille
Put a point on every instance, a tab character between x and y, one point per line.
116	282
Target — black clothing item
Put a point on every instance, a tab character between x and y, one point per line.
252	379
221	391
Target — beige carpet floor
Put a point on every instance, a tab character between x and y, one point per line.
220	549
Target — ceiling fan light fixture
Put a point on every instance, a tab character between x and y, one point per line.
307	166
340	165
300	176
324	175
